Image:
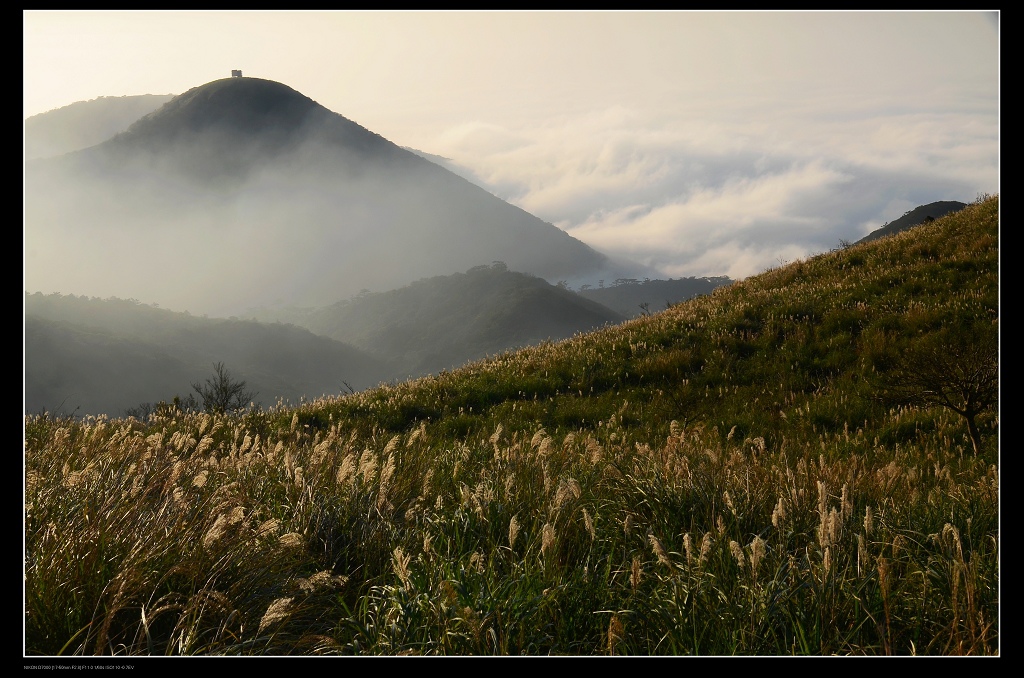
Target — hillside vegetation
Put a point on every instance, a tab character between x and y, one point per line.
738	474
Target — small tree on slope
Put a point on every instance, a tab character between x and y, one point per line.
956	368
221	393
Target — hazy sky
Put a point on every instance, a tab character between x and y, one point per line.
703	143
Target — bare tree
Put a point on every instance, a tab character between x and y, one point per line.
221	393
956	369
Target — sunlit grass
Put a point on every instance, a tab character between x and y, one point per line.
714	479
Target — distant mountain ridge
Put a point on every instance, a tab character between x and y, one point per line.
916	216
443	322
633	298
107	355
321	206
85	123
94	356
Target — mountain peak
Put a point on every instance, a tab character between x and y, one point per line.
234	110
314	205
228	126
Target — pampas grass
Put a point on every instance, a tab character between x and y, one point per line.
630	491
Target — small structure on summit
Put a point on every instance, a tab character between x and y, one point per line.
236	74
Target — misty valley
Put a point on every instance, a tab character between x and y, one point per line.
242	203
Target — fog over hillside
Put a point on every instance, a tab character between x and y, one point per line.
442	322
243	192
85	123
93	356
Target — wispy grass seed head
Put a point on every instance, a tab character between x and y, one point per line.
291	540
737	553
758	548
547	538
400	564
659	550
636	573
616	632
278	610
589	524
779	514
705	548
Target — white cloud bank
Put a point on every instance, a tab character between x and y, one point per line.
698	197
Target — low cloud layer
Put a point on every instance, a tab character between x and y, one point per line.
701	196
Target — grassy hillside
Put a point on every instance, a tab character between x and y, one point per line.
720	478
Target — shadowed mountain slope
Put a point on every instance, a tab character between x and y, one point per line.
244	192
85	123
446	321
916	216
105	355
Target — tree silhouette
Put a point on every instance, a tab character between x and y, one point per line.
957	369
221	393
